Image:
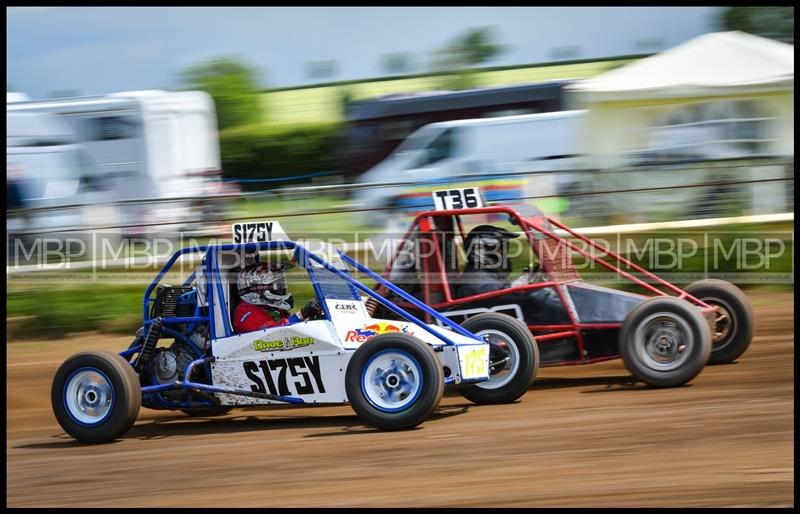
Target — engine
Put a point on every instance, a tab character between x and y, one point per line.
168	366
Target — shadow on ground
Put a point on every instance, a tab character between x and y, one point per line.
612	383
181	425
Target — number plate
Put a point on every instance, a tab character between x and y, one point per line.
466	198
474	361
258	232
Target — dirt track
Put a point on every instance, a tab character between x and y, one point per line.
582	436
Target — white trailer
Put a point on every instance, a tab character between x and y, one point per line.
145	145
46	168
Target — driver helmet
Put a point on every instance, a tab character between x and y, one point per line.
264	284
487	248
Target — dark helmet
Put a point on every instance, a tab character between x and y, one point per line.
487	248
265	284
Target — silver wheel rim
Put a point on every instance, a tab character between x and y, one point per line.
724	323
392	381
89	396
663	341
510	367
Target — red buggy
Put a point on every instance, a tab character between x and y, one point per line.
665	335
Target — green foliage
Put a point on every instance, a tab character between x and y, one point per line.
64	93
460	80
265	151
772	22
476	46
57	312
54	313
397	63
233	86
469	50
316	70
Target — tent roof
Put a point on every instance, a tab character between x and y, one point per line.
713	64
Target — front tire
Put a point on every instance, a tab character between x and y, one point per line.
96	396
735	319
665	342
509	338
394	381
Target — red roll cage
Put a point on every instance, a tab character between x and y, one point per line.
553	252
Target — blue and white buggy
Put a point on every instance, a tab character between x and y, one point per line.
187	357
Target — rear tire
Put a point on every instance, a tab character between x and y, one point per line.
394	381
96	396
665	342
735	321
515	377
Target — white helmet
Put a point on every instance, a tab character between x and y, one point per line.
265	284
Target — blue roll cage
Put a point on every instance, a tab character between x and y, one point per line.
303	257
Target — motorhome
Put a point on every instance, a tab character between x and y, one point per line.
485	152
145	145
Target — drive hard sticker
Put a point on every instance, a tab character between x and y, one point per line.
474	360
258	232
466	198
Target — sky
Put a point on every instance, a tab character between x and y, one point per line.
97	50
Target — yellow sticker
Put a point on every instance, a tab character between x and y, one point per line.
475	363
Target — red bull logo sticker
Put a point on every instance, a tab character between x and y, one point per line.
360	335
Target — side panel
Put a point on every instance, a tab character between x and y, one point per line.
533	307
303	360
597	304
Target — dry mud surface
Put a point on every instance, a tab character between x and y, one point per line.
582	436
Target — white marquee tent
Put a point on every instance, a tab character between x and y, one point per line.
718	95
708	65
724	95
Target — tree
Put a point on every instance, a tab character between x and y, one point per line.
64	93
472	48
772	22
467	51
321	69
233	86
346	100
397	63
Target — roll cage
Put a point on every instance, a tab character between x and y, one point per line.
216	313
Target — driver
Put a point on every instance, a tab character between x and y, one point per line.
265	301
488	264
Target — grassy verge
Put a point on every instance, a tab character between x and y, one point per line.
41	313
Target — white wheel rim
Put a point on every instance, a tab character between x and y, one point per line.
663	341
509	368
392	380
88	396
